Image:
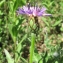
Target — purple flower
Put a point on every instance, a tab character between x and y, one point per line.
33	11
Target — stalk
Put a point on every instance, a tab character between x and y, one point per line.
32	47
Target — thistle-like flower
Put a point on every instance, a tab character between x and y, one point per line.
33	11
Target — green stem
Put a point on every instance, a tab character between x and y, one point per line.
32	47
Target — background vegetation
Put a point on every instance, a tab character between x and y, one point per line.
19	43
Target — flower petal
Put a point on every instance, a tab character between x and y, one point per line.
20	11
25	8
43	9
32	9
46	14
35	11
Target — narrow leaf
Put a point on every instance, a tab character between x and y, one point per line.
8	56
57	22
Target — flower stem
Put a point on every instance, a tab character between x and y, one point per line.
32	47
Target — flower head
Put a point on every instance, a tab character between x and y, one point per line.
34	11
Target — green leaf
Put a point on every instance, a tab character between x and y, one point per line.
19	47
36	57
31	23
45	21
1	2
56	61
1	13
12	32
19	44
18	3
10	4
8	56
61	29
57	22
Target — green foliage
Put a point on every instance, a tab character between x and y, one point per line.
1	3
19	40
9	59
18	3
19	47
